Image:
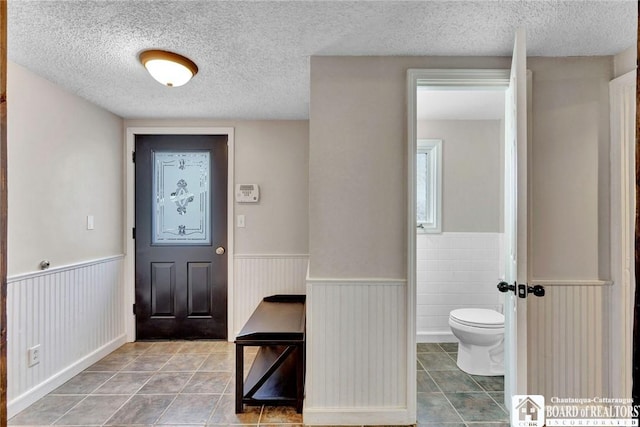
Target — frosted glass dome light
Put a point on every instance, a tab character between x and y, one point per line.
168	68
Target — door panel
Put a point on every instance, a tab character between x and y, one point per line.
163	282
199	285
515	217
181	217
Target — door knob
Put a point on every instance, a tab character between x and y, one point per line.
522	290
505	287
537	290
220	250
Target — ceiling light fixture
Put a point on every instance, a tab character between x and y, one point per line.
168	68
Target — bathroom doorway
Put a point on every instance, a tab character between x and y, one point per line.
459	247
458	263
515	83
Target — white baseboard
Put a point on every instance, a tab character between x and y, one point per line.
439	336
357	416
31	396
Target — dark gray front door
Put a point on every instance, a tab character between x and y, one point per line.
181	236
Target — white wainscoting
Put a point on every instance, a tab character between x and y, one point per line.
356	352
454	270
75	313
568	340
258	276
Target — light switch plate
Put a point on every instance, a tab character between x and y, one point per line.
240	221
89	222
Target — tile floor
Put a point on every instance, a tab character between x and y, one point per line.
162	383
449	397
191	383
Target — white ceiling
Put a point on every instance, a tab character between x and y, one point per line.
253	56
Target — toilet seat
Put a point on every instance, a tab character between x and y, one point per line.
478	318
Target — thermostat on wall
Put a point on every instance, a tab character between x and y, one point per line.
247	193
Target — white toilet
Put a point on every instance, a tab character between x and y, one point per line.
481	335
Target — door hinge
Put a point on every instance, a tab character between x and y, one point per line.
133	156
133	233
134	309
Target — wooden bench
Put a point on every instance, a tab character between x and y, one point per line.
276	376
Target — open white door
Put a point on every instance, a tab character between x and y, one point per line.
515	227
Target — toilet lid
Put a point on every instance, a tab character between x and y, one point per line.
479	317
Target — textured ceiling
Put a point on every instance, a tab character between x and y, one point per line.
254	56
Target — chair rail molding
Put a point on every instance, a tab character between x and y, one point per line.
356	373
74	312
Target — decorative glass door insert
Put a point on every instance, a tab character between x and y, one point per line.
180	215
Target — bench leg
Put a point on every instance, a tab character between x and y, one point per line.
239	378
299	378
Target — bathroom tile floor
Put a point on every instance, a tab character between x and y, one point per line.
191	383
449	397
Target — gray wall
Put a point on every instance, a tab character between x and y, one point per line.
625	61
357	162
357	173
472	171
275	155
570	168
65	162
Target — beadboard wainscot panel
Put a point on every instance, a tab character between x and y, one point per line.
356	352
258	276
75	313
568	339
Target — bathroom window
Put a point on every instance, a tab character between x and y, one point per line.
429	185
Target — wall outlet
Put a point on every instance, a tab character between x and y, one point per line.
34	355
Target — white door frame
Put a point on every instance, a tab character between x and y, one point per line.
444	79
129	258
622	99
